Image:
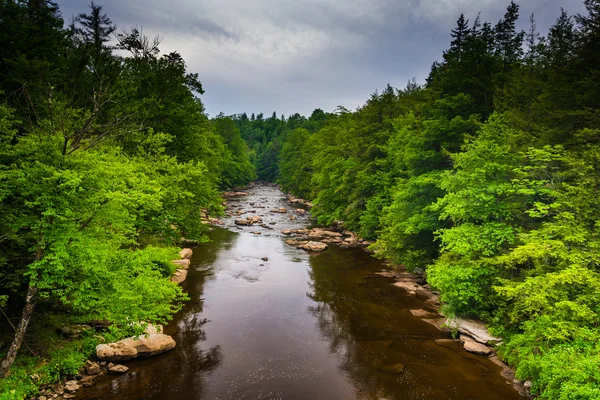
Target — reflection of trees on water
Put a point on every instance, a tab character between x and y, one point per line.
340	315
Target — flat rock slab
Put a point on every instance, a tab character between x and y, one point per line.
448	343
408	286
423	313
130	348
478	348
476	329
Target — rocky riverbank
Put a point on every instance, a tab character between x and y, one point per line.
108	355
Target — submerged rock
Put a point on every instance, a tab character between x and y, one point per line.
423	313
393	368
130	348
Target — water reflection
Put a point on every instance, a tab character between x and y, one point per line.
367	323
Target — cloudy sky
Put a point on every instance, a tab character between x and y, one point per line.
297	55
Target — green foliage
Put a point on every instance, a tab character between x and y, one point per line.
106	161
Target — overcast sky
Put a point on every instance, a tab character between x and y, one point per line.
297	55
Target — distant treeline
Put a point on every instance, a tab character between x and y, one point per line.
486	178
106	159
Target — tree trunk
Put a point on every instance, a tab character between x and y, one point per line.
20	333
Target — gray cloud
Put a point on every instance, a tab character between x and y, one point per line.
297	55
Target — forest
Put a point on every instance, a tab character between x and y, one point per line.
106	159
485	178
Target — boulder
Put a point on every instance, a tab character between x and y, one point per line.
243	222
118	369
318	233
92	368
314	246
185	263
265	258
475	329
300	211
179	276
286	232
254	219
130	348
186	253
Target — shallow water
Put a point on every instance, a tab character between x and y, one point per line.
298	326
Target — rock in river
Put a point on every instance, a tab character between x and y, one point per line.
477	330
179	276
130	348
393	368
473	347
315	246
186	253
118	369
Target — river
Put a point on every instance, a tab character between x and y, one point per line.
298	326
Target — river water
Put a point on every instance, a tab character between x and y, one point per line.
298	326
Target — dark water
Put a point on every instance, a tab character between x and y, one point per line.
297	326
